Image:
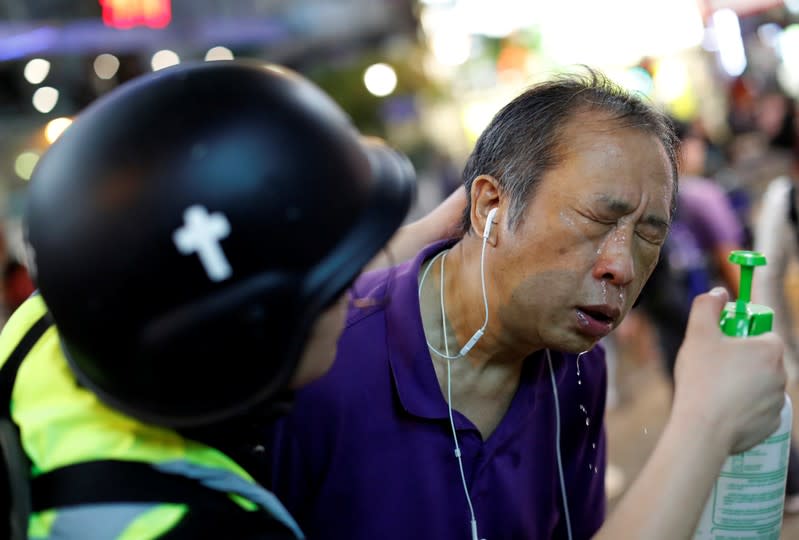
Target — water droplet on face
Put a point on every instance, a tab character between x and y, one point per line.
566	219
582	320
604	286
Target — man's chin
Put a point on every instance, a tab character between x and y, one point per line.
573	344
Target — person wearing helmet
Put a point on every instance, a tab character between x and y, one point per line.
192	236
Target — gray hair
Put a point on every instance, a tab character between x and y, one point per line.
524	140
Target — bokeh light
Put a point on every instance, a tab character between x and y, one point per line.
36	70
106	66
218	53
25	163
45	99
56	127
380	79
164	59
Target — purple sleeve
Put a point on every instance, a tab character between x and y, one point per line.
287	472
295	463
705	208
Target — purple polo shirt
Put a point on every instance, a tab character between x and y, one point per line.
367	452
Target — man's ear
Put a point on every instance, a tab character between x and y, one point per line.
485	197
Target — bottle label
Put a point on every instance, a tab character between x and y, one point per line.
747	501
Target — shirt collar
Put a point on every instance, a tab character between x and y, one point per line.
411	366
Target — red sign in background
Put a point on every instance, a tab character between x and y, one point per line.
126	14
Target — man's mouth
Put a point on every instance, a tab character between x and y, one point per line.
597	320
598	315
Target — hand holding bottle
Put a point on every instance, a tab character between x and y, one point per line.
729	393
732	389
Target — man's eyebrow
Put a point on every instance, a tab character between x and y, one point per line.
615	205
623	207
657	221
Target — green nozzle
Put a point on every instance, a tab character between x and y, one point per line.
742	318
747	260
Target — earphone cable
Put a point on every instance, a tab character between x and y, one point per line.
481	330
557	448
473	521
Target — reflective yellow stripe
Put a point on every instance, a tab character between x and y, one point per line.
244	503
40	524
18	324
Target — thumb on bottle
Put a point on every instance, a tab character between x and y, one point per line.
706	309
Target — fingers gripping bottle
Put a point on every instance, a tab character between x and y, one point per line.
748	497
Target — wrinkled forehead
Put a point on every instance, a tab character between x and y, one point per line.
611	148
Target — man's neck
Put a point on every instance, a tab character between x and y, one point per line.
484	381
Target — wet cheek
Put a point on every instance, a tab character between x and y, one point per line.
541	294
646	264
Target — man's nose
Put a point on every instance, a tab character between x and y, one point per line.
615	259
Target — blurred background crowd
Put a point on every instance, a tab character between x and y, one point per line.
428	75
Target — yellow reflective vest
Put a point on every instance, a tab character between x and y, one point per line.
62	425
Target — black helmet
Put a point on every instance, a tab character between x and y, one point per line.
188	229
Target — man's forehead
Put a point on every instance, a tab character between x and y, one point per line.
615	144
616	188
585	130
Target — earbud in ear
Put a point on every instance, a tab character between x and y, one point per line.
489	222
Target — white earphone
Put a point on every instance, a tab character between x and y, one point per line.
477	335
489	222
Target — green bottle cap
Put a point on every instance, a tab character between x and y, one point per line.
742	318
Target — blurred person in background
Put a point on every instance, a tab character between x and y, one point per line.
776	229
470	402
16	281
761	149
777	237
17	285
